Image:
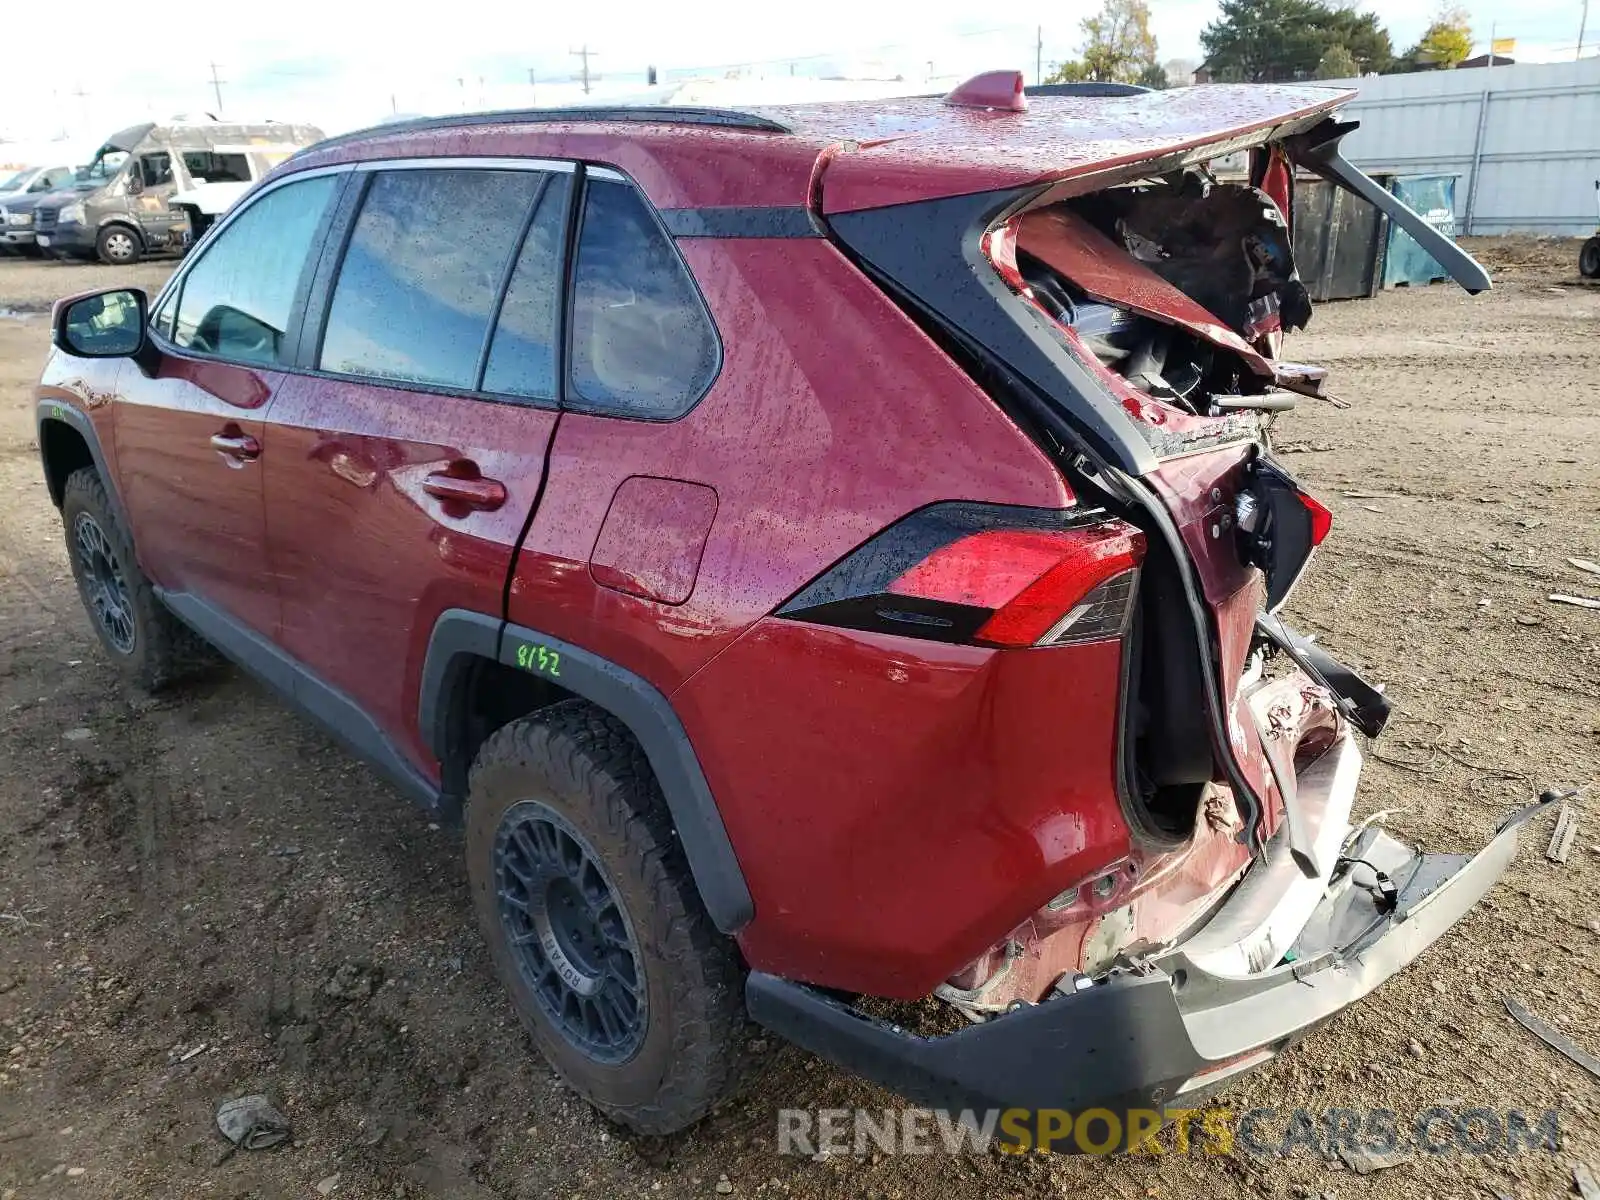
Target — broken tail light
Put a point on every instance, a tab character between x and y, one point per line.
1279	525
985	575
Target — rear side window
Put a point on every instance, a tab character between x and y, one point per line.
522	357
206	166
417	288
642	342
236	301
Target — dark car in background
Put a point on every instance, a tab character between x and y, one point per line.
20	194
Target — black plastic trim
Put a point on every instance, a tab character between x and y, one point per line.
655	114
302	688
931	253
1121	1045
649	714
58	410
458	637
634	702
1087	88
780	221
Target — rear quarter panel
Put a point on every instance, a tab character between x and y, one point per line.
833	416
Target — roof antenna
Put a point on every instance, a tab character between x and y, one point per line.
1001	90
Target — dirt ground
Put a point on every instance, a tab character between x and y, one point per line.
181	877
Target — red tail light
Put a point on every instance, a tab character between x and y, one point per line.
986	575
1321	518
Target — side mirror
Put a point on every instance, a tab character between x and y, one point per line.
101	324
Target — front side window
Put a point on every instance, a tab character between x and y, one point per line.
642	343
418	284
237	300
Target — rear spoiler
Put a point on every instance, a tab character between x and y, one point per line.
1317	150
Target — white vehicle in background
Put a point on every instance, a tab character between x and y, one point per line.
226	173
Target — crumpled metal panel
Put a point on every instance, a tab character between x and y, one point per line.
916	149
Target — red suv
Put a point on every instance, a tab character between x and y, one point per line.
819	553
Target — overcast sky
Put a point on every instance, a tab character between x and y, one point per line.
338	64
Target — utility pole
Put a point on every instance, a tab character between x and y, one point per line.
1038	57
83	104
585	54
1583	27
216	87
533	86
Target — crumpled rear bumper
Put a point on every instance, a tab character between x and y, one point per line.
1160	1031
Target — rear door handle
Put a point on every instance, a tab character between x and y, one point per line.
485	495
240	447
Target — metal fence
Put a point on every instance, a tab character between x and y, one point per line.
1524	141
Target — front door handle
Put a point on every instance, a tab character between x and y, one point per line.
485	495
235	445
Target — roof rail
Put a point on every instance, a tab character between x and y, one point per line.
1087	89
664	114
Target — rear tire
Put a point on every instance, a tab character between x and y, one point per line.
118	246
594	922
140	635
1589	259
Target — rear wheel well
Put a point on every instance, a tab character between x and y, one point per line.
482	696
64	451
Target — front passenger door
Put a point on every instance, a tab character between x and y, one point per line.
190	438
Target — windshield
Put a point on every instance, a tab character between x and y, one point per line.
15	182
104	166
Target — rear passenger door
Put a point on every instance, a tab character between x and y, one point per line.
406	460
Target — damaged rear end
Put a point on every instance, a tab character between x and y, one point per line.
1128	301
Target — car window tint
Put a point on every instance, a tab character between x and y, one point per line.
156	169
236	300
642	344
417	286
522	357
206	166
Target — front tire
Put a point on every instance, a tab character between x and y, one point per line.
1589	259
118	246
594	922
141	637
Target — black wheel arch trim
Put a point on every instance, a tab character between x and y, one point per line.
57	410
460	635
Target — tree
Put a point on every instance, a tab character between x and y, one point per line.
1444	43
1337	63
1154	76
1070	71
1118	46
1272	41
1366	40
